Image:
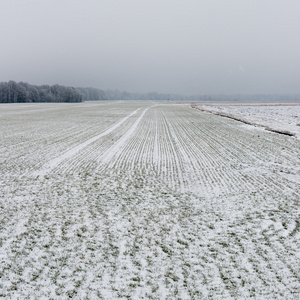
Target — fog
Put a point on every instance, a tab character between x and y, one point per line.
186	47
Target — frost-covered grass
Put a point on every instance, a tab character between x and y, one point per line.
145	200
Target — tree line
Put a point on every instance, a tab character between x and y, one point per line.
98	94
90	93
13	92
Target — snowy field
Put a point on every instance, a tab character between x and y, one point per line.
145	200
274	116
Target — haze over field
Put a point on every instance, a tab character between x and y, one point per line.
184	47
181	196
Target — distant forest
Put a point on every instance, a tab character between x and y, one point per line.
13	92
98	94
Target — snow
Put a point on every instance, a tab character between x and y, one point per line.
108	155
146	200
55	162
284	117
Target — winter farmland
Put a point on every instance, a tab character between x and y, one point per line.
145	200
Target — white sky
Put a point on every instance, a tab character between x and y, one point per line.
176	46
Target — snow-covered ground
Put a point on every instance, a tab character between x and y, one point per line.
283	117
145	200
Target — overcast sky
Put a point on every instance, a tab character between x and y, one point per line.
169	46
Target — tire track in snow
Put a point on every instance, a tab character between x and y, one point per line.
48	167
110	153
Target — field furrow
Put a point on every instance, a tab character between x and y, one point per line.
143	200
